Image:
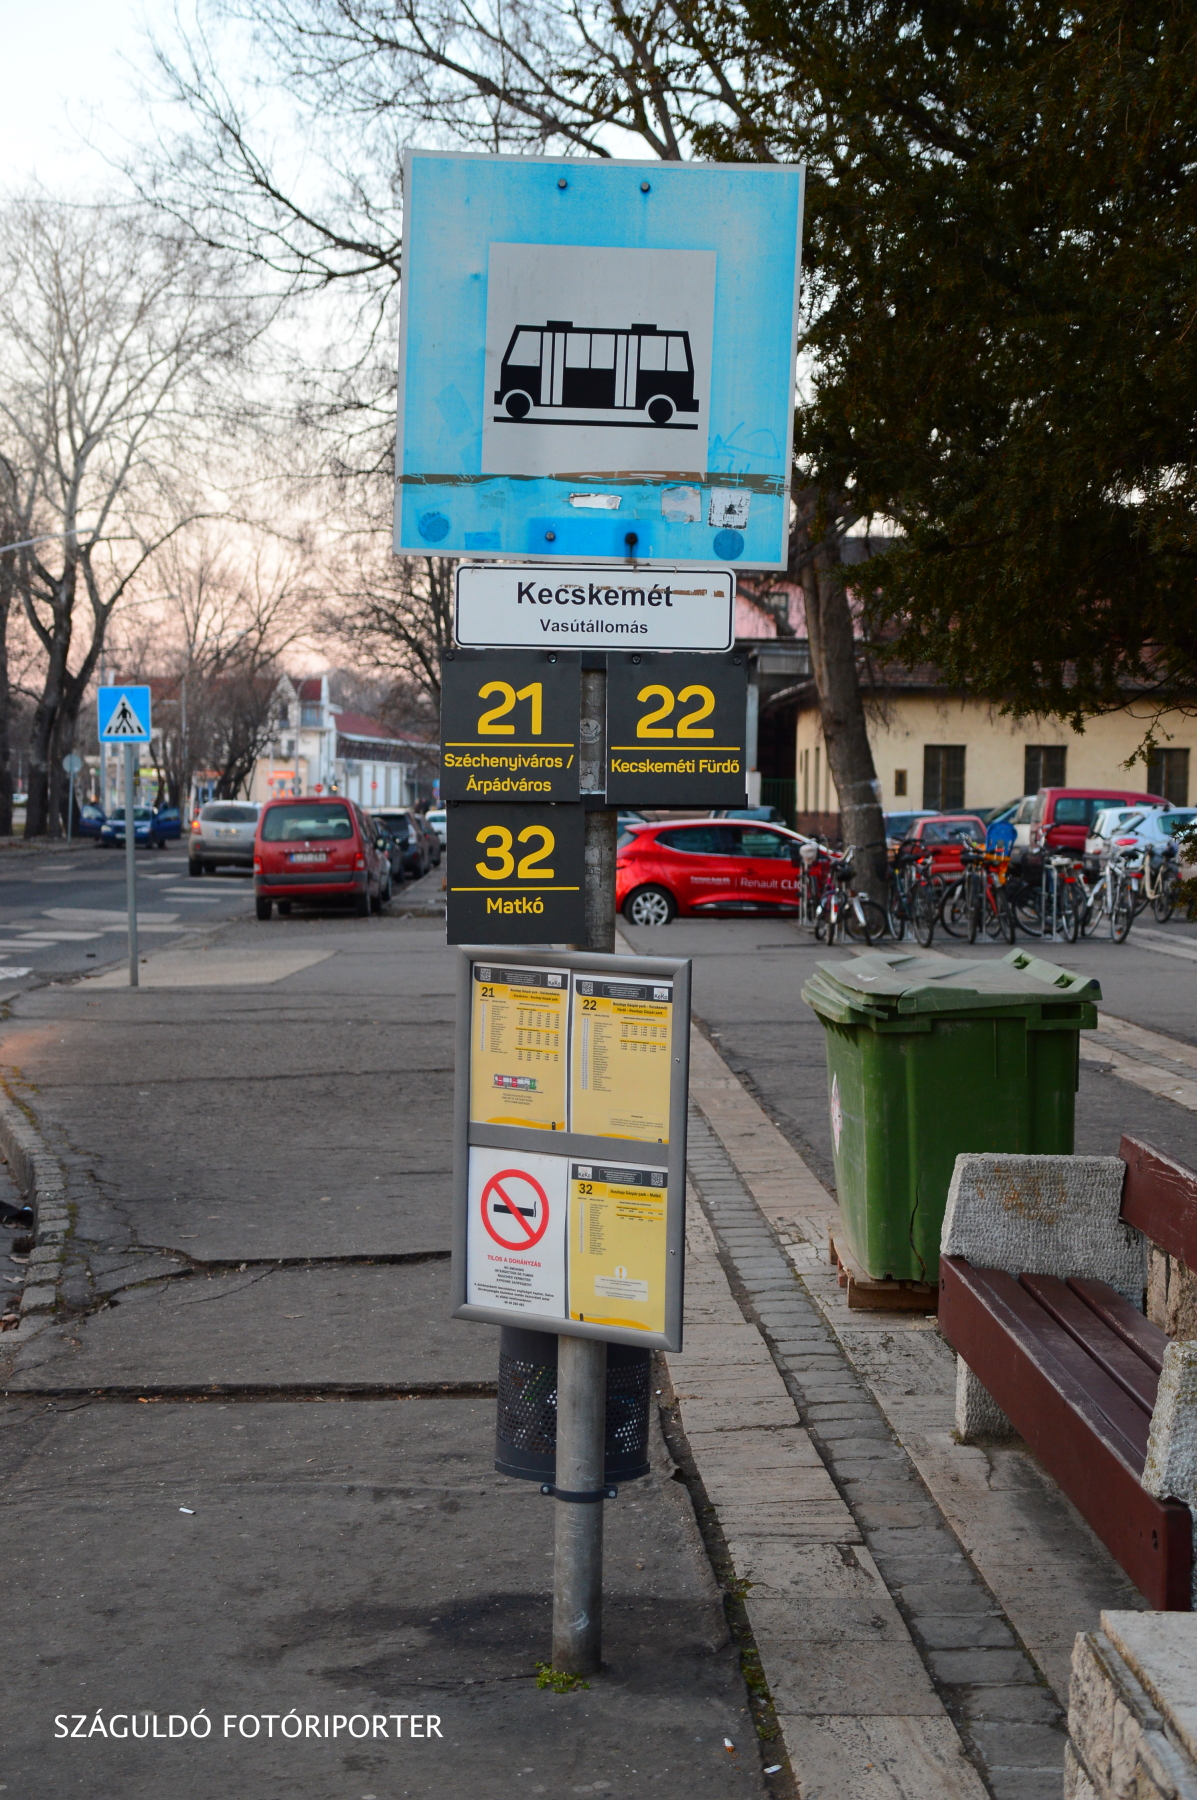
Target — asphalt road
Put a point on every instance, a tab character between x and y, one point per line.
63	912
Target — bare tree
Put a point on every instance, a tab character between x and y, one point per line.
583	77
397	614
117	343
213	646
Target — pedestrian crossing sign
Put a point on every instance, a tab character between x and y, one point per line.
124	715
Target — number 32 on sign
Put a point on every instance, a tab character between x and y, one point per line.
515	874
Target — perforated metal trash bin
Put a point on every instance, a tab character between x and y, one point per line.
526	1430
929	1056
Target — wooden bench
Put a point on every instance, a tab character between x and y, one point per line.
1042	1277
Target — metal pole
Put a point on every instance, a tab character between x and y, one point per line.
581	1362
70	801
578	1550
601	822
103	754
130	871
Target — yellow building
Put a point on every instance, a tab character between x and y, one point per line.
936	749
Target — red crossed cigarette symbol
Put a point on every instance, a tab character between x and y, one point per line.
526	1231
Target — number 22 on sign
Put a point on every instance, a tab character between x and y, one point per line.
687	726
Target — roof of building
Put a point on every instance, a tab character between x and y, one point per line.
360	725
312	688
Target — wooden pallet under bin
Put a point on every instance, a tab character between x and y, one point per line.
867	1294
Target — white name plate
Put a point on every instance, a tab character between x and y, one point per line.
585	606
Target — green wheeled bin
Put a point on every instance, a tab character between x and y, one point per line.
928	1056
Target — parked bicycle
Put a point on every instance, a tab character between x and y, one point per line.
812	879
842	912
978	902
1053	902
1159	883
1115	894
912	896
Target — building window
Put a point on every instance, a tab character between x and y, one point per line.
309	714
943	777
900	783
1044	765
1168	774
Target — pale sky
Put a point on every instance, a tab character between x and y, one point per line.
66	80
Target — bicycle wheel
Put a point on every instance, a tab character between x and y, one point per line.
926	911
1123	915
1165	900
952	910
1005	915
974	905
1070	912
897	917
1027	902
1095	911
863	920
999	922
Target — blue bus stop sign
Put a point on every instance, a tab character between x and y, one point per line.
124	715
596	360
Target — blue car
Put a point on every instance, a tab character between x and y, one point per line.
89	821
150	828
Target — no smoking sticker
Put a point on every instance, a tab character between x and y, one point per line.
515	1209
516	1232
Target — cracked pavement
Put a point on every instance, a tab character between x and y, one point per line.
248	1461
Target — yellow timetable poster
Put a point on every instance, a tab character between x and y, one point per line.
518	1043
617	1250
622	1058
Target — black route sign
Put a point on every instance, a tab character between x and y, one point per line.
509	725
676	729
516	874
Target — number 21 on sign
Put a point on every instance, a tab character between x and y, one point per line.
488	722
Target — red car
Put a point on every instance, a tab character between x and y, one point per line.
1061	817
319	851
696	866
947	834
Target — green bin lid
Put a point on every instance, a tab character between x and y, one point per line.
894	984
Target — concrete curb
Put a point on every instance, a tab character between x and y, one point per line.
40	1178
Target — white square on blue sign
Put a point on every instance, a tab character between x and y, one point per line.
597	360
123	715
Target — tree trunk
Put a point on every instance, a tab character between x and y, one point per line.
841	713
40	811
6	599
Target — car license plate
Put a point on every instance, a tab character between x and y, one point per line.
227	831
309	856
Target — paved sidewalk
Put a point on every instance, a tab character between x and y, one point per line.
248	1461
991	1569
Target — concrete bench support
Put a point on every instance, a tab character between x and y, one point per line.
1132	1709
1037	1215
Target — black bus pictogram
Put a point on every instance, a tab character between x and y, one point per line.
625	370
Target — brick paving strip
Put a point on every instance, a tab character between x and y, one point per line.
936	1617
984	1571
858	1711
1147	1059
